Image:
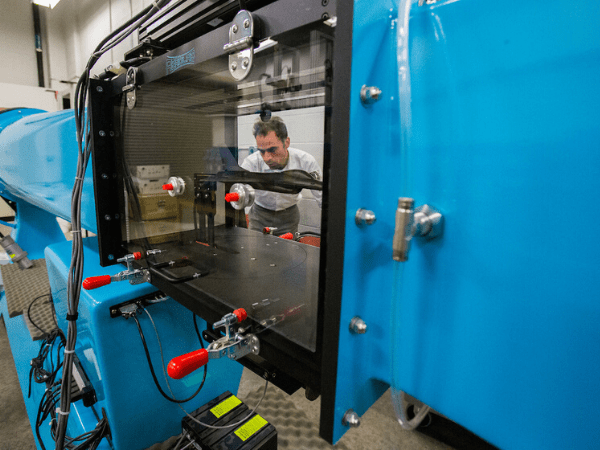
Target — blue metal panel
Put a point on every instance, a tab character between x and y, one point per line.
112	354
38	162
498	320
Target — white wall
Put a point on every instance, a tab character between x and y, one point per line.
19	96
70	32
17	45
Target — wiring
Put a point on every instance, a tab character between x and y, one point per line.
150	365
75	275
29	312
205	370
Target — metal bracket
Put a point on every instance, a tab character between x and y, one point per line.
131	86
240	46
425	221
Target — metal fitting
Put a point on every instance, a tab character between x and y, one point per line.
369	94
364	217
351	419
358	326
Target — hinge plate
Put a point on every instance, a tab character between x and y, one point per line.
240	45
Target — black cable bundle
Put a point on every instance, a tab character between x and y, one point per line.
38	373
83	125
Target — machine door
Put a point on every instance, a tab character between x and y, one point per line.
179	171
494	324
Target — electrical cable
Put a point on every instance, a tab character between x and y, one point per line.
29	311
75	274
150	365
205	369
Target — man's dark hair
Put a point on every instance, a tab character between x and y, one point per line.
274	124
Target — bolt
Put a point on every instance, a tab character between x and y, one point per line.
252	259
111	257
102	133
364	217
358	326
112	133
107	217
272	265
324	2
234	28
233	65
104	176
245	63
113	311
325	16
246	23
350	419
99	89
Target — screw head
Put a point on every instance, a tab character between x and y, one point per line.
245	63
106	217
246	23
102	133
233	66
358	326
234	28
351	419
104	176
99	89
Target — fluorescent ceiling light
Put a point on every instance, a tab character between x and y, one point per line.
47	3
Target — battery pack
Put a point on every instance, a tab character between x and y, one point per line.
252	432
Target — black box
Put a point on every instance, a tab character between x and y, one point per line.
253	433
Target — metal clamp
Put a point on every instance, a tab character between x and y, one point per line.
131	86
234	346
240	45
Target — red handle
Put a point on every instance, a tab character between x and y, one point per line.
241	314
232	197
167	187
95	282
287	236
183	365
137	255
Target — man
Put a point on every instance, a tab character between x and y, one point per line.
272	209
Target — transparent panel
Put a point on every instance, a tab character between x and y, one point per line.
194	131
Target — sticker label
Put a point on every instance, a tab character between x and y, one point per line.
251	427
225	406
177	62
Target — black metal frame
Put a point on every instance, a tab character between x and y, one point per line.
317	371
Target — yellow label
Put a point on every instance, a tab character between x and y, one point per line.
225	406
250	427
12	256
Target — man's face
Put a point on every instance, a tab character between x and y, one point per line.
273	151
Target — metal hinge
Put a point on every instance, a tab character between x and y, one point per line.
130	87
240	45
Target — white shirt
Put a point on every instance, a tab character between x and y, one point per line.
297	160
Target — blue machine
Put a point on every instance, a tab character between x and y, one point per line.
484	111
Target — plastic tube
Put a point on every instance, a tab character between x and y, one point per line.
404	92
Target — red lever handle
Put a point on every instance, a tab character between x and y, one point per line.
167	187
95	282
241	314
287	236
183	365
137	255
232	197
